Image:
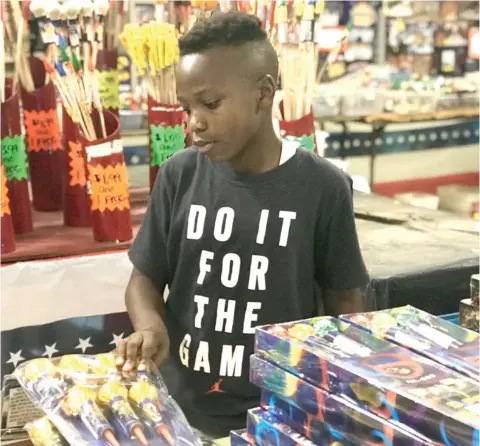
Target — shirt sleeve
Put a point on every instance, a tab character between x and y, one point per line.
339	262
148	252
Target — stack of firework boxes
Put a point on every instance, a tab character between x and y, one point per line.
394	378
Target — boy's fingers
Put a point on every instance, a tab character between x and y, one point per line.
120	352
149	347
134	343
161	355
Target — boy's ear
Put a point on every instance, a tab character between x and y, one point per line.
267	87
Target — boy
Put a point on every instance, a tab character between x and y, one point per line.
243	229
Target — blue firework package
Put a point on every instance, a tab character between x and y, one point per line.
88	402
392	382
241	438
323	417
440	340
269	431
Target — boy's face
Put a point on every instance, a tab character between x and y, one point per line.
223	101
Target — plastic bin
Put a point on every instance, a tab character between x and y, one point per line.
407	102
454	318
360	101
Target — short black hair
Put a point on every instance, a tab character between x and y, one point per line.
228	29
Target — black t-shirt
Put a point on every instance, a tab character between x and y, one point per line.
239	251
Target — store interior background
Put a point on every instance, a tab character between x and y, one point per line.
416	179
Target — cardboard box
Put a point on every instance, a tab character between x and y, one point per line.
430	336
298	403
268	431
241	438
393	382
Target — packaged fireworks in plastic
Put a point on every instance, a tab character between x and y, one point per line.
393	382
323	417
268	431
428	335
241	438
89	402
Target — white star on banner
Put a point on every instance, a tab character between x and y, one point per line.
15	358
116	339
50	350
83	344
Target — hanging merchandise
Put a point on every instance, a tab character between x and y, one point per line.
7	234
360	49
451	44
153	49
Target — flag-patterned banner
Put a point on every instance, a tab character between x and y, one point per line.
88	335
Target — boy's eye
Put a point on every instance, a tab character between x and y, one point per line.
212	105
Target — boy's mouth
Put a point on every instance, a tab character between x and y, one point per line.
203	145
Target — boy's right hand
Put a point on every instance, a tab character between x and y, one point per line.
148	345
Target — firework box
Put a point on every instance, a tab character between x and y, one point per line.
440	340
241	438
268	431
391	381
329	417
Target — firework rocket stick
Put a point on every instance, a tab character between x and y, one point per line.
80	402
87	37
115	396
72	11
100	8
145	397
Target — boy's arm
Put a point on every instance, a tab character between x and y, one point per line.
144	294
339	263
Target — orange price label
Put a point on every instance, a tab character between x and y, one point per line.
43	131
109	187
76	163
5	204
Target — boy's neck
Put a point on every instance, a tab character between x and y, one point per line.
261	154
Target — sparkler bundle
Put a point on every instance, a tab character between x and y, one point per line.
153	48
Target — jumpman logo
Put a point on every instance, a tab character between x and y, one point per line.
216	387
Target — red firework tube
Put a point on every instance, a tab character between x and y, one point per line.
76	206
166	131
46	156
108	80
301	130
7	236
108	179
14	159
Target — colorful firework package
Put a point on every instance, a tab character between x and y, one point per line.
428	335
269	431
322	416
241	438
87	401
392	382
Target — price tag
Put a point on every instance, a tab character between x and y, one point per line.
14	158
76	163
108	83
43	131
165	142
109	187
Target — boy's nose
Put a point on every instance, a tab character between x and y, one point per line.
197	125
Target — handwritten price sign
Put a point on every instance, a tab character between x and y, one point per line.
165	142
109	187
43	131
108	82
14	157
76	164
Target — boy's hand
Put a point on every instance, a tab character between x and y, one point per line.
148	345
